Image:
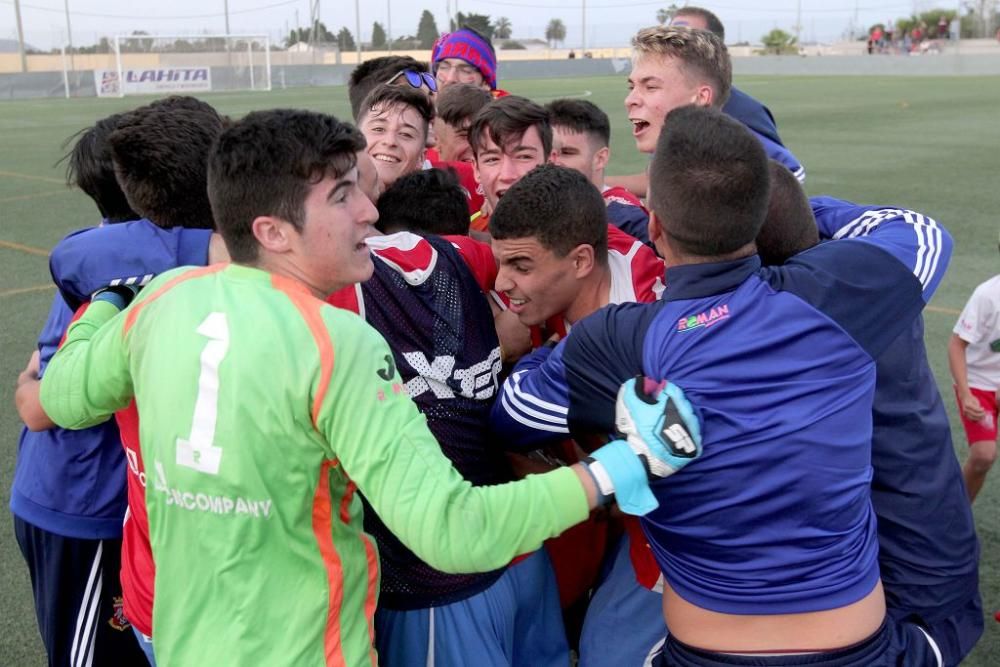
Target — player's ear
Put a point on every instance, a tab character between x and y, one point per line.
583	260
704	96
601	158
653	230
273	234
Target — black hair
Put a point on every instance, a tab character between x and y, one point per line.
790	226
458	103
429	201
387	96
265	164
559	207
580	116
708	182
508	118
369	74
89	167
161	162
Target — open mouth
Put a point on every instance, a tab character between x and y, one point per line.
638	126
517	305
382	157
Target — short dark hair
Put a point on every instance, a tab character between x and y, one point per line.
581	116
712	22
388	96
508	118
175	102
790	226
89	167
265	163
556	205
708	182
369	74
429	201
161	161
458	103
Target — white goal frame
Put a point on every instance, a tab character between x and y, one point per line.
260	39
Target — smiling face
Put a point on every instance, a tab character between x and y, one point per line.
539	283
329	252
658	85
498	168
396	138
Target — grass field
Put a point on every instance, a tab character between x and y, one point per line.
929	144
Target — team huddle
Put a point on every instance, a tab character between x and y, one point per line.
429	388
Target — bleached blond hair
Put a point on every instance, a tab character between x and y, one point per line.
702	55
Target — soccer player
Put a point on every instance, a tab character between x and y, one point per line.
740	106
372	73
743	340
430	307
68	492
257	462
395	121
974	360
509	137
581	138
555	253
464	56
674	66
928	551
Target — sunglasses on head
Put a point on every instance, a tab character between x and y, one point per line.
416	79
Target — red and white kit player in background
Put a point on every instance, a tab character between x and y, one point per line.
974	358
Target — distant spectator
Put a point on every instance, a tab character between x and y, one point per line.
974	359
942	28
572	54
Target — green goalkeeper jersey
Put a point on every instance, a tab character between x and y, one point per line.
262	410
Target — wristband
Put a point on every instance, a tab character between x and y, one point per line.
119	296
602	481
629	477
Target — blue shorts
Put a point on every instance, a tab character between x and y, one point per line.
894	645
78	598
957	634
624	621
515	622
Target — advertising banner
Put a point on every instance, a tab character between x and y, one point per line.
152	81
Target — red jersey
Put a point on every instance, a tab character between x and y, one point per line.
622	196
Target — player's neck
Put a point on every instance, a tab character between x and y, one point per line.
594	294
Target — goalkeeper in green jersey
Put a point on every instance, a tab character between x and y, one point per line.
263	409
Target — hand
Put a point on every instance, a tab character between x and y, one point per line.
972	408
659	425
662	435
30	371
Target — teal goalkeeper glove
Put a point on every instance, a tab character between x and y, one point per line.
662	435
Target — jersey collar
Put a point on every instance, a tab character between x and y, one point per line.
695	281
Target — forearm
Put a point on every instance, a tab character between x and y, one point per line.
957	365
84	386
29	405
456	527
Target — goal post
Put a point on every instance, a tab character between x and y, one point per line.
164	64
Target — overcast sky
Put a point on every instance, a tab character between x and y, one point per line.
609	23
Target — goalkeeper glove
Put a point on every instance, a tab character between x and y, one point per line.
662	435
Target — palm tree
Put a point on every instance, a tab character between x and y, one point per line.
555	32
503	29
665	15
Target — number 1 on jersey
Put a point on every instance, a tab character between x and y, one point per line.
198	451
